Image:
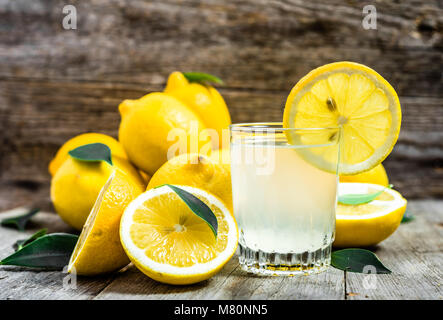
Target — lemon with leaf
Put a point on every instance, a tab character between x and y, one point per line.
178	234
367	214
210	173
158	126
83	139
77	183
195	91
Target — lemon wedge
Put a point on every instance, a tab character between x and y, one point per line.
171	244
98	248
367	224
351	96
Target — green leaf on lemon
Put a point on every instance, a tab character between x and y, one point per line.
198	207
356	199
21	243
19	222
51	251
202	78
92	152
358	260
407	216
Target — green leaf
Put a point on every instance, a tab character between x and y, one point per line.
21	243
198	207
408	216
51	251
92	152
355	199
20	221
355	260
202	78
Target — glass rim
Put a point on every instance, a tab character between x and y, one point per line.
268	126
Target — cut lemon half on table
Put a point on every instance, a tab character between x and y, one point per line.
370	223
352	96
98	248
170	243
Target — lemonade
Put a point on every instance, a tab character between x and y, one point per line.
284	206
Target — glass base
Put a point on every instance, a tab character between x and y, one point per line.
284	264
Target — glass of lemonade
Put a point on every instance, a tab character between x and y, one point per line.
284	188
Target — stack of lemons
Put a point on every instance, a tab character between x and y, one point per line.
186	121
176	137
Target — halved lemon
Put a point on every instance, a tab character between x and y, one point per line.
171	244
98	248
351	96
367	224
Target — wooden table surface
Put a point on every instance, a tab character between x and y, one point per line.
413	253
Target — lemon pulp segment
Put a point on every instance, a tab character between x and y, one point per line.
171	233
170	243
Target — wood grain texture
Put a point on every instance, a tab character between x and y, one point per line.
231	283
57	83
413	253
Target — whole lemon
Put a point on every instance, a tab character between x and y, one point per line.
76	185
376	175
210	173
206	101
157	127
82	139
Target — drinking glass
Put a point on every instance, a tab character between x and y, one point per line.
284	188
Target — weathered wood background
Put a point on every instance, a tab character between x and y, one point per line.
57	83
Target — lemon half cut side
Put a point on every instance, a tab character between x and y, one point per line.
171	244
354	97
98	248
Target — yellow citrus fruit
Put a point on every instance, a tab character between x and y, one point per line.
355	97
171	244
98	249
137	176
76	185
146	178
157	127
376	175
82	139
368	224
212	174
203	100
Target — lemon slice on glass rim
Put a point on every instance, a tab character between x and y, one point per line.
357	101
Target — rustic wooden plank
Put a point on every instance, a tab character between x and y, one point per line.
25	283
250	44
230	283
414	255
416	266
